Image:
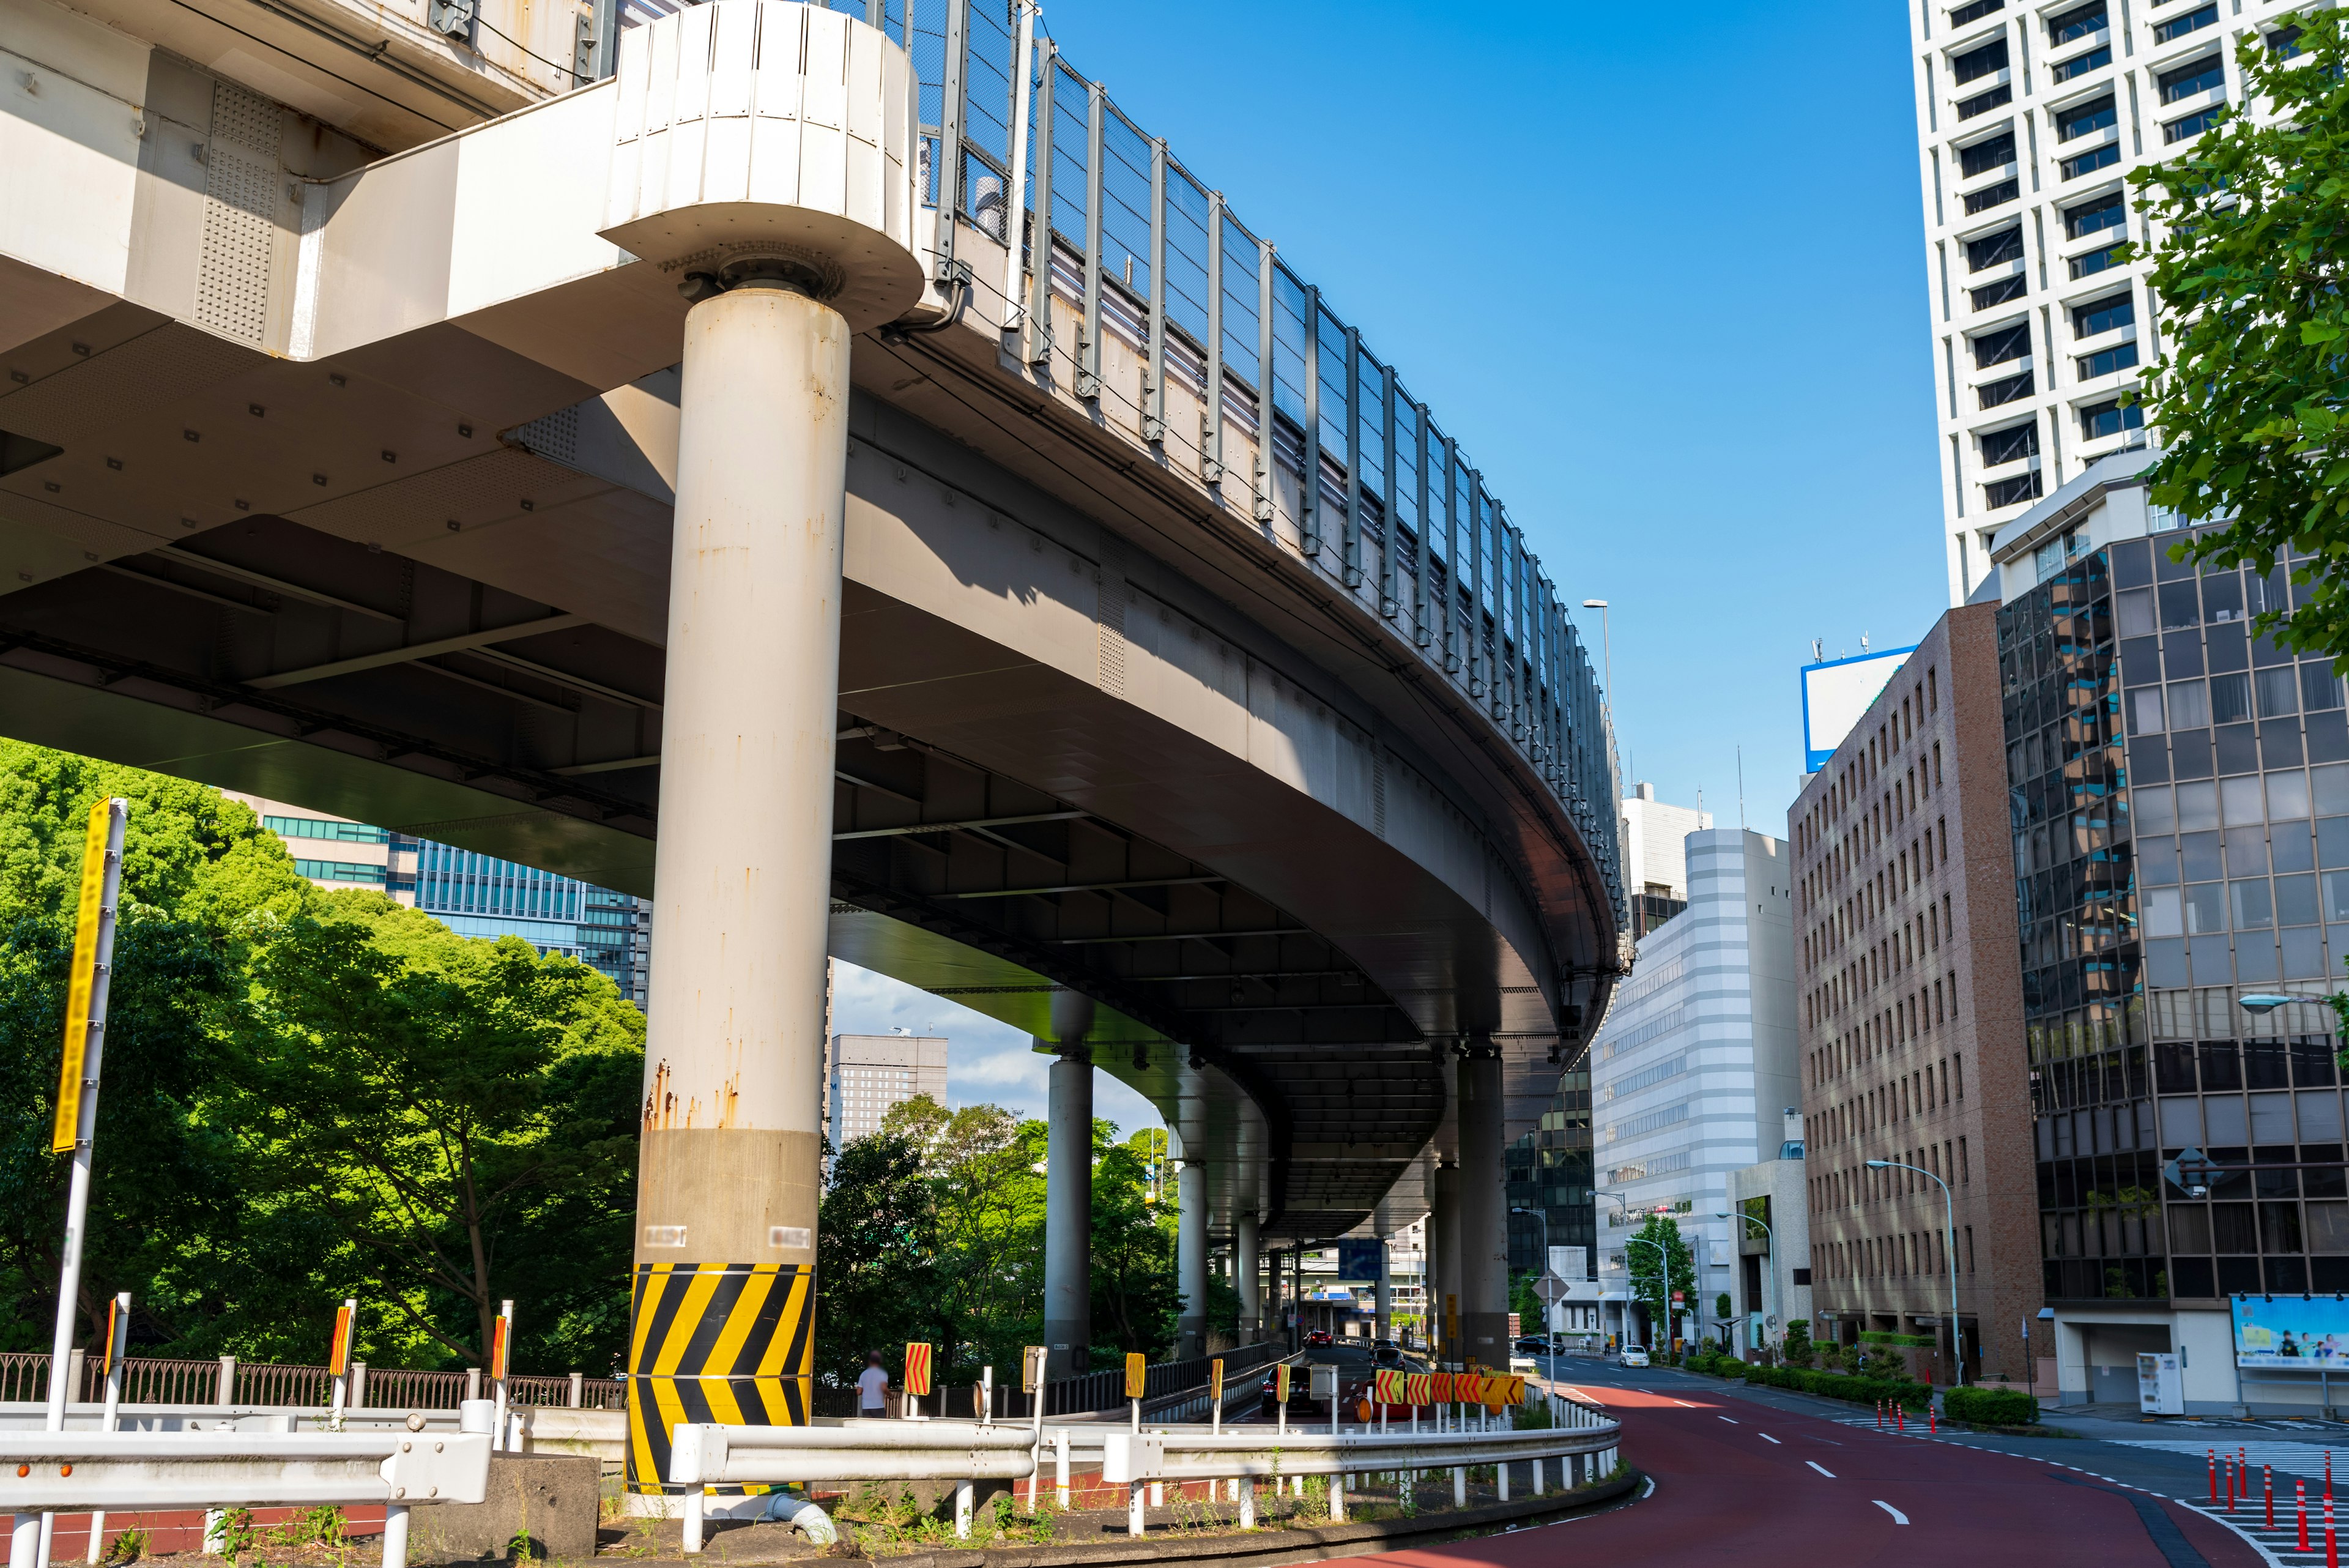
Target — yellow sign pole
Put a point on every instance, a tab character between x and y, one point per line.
76	1125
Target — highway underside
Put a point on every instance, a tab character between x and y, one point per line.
1764	1486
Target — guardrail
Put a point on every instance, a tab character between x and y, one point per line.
79	1472
226	1381
968	1452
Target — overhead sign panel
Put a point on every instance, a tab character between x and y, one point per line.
1836	693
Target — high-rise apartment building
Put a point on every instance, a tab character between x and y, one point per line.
864	1074
1698	1057
2029	120
474	895
2180	794
1912	1018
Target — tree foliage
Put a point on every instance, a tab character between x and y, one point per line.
1659	1262
931	1229
2250	391
306	1096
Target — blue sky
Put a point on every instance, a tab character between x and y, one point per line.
1663	278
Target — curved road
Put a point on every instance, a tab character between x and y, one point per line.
1761	1478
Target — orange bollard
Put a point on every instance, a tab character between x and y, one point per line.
2332	1551
2300	1497
1932	1421
2267	1481
2214	1476
1899	1416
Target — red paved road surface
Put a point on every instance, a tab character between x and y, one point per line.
1725	1495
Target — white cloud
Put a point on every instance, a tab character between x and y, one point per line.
986	1062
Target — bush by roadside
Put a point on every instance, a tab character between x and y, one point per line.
1827	1385
1991	1407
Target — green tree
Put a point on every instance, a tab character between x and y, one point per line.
876	1254
439	1105
1659	1262
202	880
987	1197
2249	390
1136	1295
1531	1317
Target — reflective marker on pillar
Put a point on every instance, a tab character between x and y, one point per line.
722	1311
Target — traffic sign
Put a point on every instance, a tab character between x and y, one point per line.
1551	1289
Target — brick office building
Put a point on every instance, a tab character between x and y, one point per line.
1912	1035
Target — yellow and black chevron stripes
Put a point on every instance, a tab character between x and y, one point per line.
715	1342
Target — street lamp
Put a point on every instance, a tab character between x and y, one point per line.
1549	1335
1607	648
1948	1219
1777	1307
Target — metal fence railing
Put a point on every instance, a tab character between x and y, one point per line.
225	1380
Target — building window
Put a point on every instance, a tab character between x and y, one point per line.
1998	97
2088	264
2284	42
2010	445
2110	418
2194	124
2119	357
1976	64
2001	493
1991	196
1975	12
2192	80
2077	23
317	827
1999	292
1998	347
2081	65
338	871
1992	394
2193	22
2006	245
2088	162
2081	118
2103	213
2113	310
1996	152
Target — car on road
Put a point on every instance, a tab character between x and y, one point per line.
1357	1371
1318	1338
1532	1345
1635	1355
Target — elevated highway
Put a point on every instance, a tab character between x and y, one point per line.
676	473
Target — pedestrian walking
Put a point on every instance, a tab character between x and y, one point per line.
873	1387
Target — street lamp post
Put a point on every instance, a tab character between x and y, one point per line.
1607	648
1949	1219
1549	1335
1777	1305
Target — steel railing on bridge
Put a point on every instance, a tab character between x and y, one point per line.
1394	514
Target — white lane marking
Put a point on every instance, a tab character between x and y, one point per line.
1898	1517
1768	1438
1821	1468
1731	1419
1685	1405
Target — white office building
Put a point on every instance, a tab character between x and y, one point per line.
866	1074
1697	1059
2029	120
1655	863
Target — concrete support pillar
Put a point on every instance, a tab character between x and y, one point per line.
1069	1214
728	1174
1483	1210
1247	1265
1191	1258
1382	1302
1297	1298
1443	1275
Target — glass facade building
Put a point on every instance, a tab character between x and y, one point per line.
481	895
1549	1169
2180	798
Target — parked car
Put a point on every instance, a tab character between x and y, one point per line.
1635	1355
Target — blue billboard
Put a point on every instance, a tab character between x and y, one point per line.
1835	692
2291	1336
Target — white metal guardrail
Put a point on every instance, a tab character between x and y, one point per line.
76	1473
703	1455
